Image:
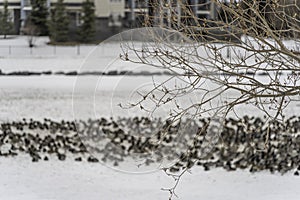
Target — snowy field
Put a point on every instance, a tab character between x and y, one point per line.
15	55
66	180
41	97
29	97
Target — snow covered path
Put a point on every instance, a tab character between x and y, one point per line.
68	180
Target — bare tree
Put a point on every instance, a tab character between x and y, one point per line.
249	50
244	41
32	32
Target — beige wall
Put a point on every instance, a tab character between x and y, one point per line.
68	1
104	8
10	1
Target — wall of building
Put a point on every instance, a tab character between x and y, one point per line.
112	15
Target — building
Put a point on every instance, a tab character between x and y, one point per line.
166	12
107	11
116	15
282	16
136	12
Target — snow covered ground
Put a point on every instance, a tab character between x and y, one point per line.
51	97
56	180
16	55
30	97
41	97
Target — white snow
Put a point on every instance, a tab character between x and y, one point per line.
41	97
52	97
68	180
16	55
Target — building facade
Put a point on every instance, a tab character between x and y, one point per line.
116	15
111	10
161	12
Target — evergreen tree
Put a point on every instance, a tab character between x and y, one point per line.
87	29
59	23
38	16
6	26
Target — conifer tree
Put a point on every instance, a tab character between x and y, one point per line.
6	26
38	16
87	29
59	23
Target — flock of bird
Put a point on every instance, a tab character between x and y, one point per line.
246	143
